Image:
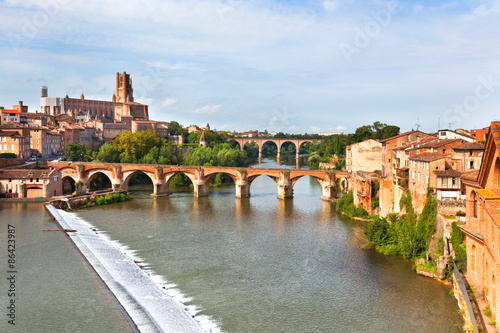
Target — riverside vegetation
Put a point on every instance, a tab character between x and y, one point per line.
407	235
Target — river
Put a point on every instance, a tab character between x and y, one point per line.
252	265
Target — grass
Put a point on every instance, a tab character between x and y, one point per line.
428	266
487	311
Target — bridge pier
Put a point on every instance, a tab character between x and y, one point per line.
242	189
81	186
329	190
200	188
157	190
285	186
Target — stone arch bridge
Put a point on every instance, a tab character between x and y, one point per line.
279	142
161	175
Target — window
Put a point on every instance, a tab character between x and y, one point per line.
444	151
445	181
471	164
454	181
474	207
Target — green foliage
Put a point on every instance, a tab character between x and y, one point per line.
402	201
487	311
109	198
219	155
211	138
174	128
313	160
426	223
375	187
457	241
108	153
375	203
346	206
406	235
135	146
77	152
410	216
8	155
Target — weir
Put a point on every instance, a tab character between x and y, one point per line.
149	306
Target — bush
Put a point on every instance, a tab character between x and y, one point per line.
457	241
8	155
111	198
375	203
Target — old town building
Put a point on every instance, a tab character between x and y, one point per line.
16	140
30	183
467	156
482	228
364	156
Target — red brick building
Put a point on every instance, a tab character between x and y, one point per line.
482	228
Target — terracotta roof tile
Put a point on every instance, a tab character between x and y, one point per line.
448	173
471	175
427	157
469	145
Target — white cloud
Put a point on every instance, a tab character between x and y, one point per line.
168	102
207	109
340	128
330	5
314	128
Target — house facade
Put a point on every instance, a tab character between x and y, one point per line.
482	228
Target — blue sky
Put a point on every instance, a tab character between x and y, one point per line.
291	66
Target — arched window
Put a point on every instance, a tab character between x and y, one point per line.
493	292
473	258
474	204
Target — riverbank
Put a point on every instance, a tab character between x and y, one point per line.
151	309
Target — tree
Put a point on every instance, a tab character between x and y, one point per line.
389	132
77	152
108	153
133	147
174	128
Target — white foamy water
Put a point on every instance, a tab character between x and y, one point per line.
161	305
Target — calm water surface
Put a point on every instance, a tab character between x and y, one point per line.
253	265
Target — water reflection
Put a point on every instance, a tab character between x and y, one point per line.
262	264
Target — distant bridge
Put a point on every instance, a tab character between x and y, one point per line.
279	142
120	174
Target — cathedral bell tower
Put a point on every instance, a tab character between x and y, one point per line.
124	91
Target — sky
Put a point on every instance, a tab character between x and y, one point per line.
291	66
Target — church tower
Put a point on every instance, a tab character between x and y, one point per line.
203	140
124	91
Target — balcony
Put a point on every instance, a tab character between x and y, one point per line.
402	173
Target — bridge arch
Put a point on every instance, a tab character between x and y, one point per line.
96	174
127	175
210	175
68	184
167	177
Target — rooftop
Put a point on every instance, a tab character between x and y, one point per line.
448	173
427	157
488	194
469	145
471	175
25	173
401	135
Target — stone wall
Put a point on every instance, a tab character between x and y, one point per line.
78	201
9	162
